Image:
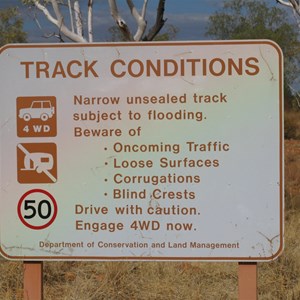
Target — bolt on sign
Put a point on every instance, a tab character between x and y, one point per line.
149	151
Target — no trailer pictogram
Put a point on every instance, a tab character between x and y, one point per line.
37	163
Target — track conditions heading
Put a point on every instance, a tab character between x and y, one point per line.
135	68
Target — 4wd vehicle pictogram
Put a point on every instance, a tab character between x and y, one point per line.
42	109
36	116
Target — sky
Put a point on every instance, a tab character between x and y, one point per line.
190	17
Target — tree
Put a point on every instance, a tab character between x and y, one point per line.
69	18
11	27
249	19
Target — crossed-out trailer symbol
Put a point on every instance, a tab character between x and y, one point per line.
35	165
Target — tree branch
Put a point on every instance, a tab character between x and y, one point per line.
71	15
59	21
291	3
144	9
78	18
90	20
120	22
140	19
283	2
296	6
75	30
45	11
159	23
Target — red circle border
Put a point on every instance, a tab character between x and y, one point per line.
42	226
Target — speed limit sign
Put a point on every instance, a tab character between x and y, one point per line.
37	209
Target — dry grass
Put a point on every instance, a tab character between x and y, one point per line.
292	174
292	124
277	280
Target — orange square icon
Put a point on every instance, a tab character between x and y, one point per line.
36	116
37	163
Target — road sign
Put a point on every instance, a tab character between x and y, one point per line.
37	163
142	151
37	209
36	116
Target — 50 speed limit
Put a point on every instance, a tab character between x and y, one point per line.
37	209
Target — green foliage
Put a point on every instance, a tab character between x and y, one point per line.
27	2
249	19
116	34
11	27
168	34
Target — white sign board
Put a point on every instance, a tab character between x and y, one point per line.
149	151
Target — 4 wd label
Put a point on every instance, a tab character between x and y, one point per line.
36	116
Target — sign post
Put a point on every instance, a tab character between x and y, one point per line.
247	275
149	151
33	280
